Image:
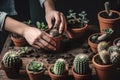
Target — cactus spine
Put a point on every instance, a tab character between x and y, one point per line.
11	59
102	45
105	57
81	64
115	58
59	67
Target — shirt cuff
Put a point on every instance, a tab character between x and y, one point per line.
41	2
2	19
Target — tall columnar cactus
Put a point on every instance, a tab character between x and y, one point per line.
105	57
107	8
106	34
59	67
102	45
81	64
12	59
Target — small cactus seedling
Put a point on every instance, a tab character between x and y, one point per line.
54	32
35	66
59	67
81	64
105	57
106	34
102	46
107	8
12	59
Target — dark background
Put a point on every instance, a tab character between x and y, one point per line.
92	7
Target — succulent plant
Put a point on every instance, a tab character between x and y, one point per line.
35	66
24	49
81	64
107	8
77	19
54	32
41	26
112	49
105	57
106	34
59	67
12	59
102	46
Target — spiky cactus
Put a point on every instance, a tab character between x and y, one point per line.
115	58
106	34
59	67
81	64
12	59
112	49
102	45
107	8
105	57
118	43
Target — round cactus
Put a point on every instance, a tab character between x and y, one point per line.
105	57
102	46
59	67
12	59
81	64
112	49
115	58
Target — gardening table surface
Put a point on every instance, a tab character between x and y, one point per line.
70	48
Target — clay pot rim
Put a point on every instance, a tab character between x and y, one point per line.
114	42
106	18
79	75
81	28
99	66
52	74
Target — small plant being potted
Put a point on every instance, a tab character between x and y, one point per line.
53	32
107	61
109	19
77	24
35	70
11	63
81	69
95	38
59	70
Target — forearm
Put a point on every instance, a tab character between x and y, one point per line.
14	26
49	5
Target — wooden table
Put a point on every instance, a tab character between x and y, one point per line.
70	49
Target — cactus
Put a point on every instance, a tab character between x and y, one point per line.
118	43
12	59
102	46
106	34
35	66
54	32
112	49
105	57
115	58
107	8
59	67
81	64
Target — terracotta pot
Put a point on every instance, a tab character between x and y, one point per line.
19	42
109	23
81	77
35	75
104	72
116	40
92	45
57	77
11	72
76	32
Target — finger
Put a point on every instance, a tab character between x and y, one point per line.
49	22
48	39
57	19
46	45
36	46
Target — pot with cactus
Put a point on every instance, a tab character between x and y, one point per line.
59	70
81	69
106	62
95	38
35	70
53	33
109	19
11	64
77	24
